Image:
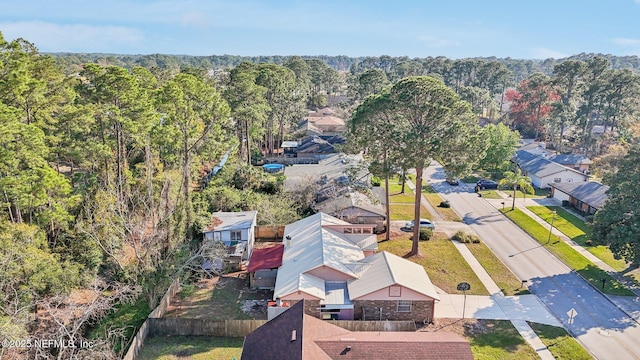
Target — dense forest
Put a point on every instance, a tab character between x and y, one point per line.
104	157
520	68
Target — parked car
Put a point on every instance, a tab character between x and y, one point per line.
424	224
487	184
453	182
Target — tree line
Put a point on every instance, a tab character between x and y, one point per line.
101	181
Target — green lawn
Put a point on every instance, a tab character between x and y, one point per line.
408	198
395	187
577	230
503	277
492	194
441	260
538	193
569	256
405	212
191	347
560	343
500	341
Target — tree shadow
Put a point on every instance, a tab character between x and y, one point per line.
562	292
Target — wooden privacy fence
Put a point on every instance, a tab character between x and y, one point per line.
240	328
269	232
357	325
202	327
138	341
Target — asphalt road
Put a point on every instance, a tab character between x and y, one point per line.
602	328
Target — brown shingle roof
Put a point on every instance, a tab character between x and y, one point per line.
397	345
318	339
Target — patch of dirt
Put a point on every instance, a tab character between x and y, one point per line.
221	298
257	309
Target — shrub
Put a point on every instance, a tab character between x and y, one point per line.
425	234
445	204
376	181
459	236
465	238
588	219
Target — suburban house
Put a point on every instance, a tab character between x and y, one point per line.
263	266
334	265
296	335
586	197
578	162
235	230
327	171
316	146
544	172
536	148
354	207
323	121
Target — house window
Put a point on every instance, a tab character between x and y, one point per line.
236	236
404	306
557	180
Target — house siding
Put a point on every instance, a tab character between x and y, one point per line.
405	294
387	310
557	194
565	177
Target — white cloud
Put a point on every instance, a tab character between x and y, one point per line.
627	41
437	42
78	37
543	53
195	19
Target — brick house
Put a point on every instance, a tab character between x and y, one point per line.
296	335
587	197
335	267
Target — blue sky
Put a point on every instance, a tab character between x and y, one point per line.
529	29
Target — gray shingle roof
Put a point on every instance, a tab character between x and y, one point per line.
570	159
591	192
539	166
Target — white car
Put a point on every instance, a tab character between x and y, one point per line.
424	224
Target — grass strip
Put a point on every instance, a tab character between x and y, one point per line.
499	272
578	231
559	342
568	255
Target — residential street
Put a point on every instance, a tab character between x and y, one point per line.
600	325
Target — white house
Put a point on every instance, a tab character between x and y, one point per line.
544	172
335	268
235	230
